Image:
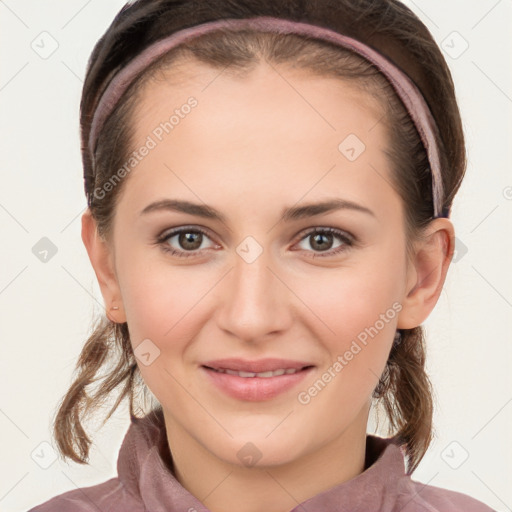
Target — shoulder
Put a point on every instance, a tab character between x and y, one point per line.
109	496
416	496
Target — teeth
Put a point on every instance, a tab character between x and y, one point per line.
274	373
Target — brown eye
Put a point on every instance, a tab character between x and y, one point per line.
320	240
188	242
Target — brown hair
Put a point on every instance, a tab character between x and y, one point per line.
404	389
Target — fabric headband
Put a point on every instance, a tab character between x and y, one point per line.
402	84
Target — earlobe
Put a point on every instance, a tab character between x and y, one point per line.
101	258
427	273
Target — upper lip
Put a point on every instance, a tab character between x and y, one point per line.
255	366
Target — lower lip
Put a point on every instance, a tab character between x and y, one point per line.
255	388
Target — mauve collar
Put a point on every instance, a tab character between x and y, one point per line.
146	476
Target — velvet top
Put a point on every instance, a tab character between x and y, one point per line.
146	483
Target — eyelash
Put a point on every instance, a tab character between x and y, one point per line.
348	241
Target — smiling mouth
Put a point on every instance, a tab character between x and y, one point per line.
266	374
274	378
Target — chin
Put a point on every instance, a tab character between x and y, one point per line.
256	451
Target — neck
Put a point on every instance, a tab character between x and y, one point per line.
223	486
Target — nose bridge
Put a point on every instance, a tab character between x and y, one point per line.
255	302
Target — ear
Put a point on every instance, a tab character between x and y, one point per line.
426	272
102	257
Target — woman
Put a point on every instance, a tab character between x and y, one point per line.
223	144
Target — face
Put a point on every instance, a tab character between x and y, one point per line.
263	278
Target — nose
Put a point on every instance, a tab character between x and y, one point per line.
255	301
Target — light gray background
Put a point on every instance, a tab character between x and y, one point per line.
46	307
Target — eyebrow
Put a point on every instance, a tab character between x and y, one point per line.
288	214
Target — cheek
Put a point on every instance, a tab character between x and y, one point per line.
158	296
356	310
348	300
361	326
163	305
168	306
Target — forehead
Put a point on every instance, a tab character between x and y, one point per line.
272	126
265	99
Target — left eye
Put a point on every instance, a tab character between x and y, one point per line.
320	240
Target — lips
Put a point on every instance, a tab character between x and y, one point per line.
256	366
256	380
265	375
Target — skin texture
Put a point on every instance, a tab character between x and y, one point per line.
251	147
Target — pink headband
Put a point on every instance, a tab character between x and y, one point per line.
403	85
